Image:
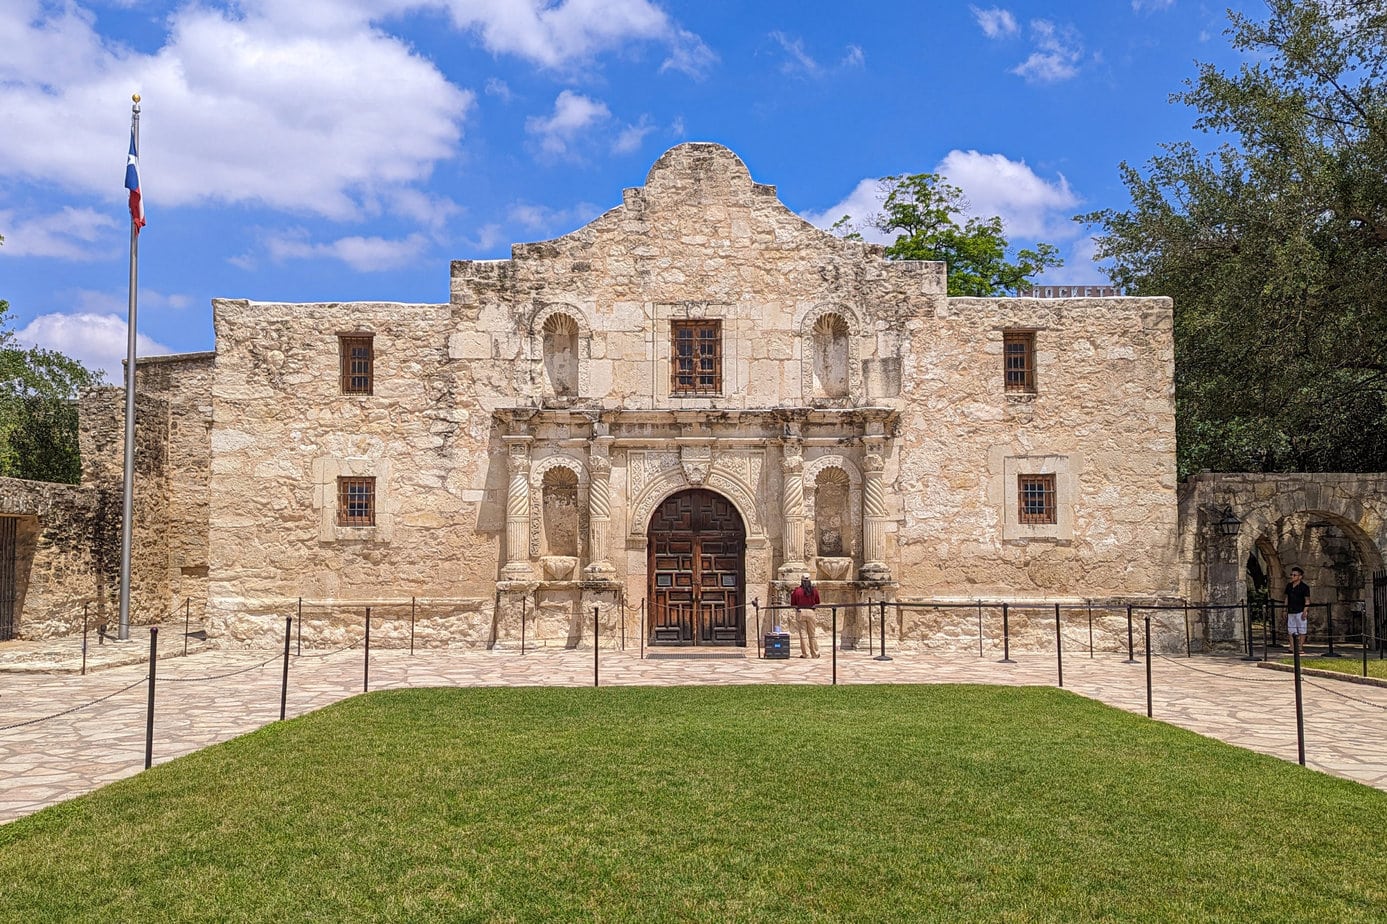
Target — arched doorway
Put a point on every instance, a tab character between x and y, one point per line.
696	568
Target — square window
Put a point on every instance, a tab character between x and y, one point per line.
1036	499
695	358
356	502
1018	351
357	360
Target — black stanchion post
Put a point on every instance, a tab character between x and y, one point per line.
1131	649
1189	651
84	640
1059	648
753	603
594	646
1090	629
1147	620
284	683
1006	634
298	650
411	627
760	631
1329	630
366	659
979	628
187	612
1364	633
871	638
1247	626
1271	614
1299	703
883	656
833	643
1266	617
149	709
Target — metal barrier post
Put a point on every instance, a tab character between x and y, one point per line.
1090	630
1147	620
149	709
284	683
1247	624
979	628
1131	650
1006	635
1364	634
84	640
187	608
1266	617
522	625
753	603
833	643
883	656
299	648
366	660
1329	629
1059	648
1299	703
1189	651
594	646
760	635
411	627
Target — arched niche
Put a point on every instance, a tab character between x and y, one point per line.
558	511
830	355
833	496
560	349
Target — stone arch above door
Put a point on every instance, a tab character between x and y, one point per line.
734	476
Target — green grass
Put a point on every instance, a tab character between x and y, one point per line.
710	804
1351	663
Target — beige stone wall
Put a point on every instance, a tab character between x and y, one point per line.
842	372
56	568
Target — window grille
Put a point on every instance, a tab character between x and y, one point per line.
696	360
358	364
356	502
1036	497
1018	349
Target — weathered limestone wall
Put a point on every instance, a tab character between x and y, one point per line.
1101	419
56	566
1334	526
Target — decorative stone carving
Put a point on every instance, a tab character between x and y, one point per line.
696	461
874	567
792	508
834	569
559	567
517	565
599	508
736	475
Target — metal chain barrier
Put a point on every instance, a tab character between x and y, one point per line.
242	670
73	709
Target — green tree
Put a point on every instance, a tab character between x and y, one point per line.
923	212
1273	245
38	410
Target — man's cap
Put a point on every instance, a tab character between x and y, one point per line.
804	576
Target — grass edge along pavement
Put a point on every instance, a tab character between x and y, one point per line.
709	803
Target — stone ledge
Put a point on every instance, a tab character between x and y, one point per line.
1330	675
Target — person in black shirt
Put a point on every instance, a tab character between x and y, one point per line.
1297	601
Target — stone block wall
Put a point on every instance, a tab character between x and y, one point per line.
56	567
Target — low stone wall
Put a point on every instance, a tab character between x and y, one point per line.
57	568
436	623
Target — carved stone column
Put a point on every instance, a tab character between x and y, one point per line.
517	565
792	509
599	507
874	567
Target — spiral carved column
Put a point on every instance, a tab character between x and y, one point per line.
599	507
874	514
518	509
792	510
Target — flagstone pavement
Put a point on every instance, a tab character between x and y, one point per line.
212	695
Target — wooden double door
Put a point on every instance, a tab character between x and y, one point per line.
697	546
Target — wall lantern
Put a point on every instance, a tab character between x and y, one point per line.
1228	524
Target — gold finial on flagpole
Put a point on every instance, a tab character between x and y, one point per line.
135	98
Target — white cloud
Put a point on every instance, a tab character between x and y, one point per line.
545	220
498	88
799	61
1153	5
573	114
71	233
1030	206
630	137
98	340
862	204
995	22
247	108
363	254
1058	50
1079	268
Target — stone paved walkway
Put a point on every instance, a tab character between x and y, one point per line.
50	761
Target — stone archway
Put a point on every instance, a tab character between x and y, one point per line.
696	553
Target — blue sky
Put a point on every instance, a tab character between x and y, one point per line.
334	150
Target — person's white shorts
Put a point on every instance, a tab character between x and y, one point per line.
1295	623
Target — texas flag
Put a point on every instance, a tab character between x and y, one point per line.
132	183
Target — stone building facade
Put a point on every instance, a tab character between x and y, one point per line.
676	409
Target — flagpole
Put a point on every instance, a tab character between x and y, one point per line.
128	495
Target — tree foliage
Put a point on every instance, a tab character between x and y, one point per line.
1273	245
923	211
38	411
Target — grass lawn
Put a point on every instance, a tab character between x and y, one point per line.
900	803
1349	664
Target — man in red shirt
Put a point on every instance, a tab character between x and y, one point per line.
804	598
